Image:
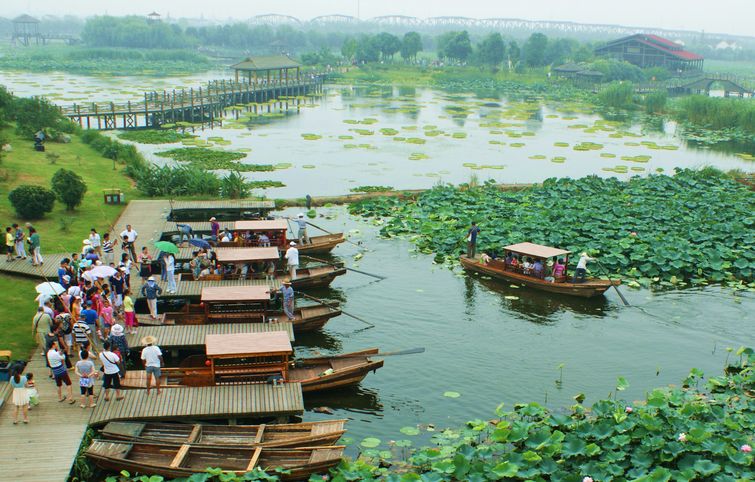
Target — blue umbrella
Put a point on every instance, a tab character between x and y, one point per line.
199	243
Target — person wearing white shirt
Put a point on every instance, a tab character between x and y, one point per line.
95	243
129	237
302	223
112	378
170	268
581	271
152	358
292	259
56	360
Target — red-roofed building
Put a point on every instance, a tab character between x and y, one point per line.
652	51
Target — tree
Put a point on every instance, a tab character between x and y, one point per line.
367	49
534	50
31	202
411	45
491	51
388	44
69	188
34	114
514	55
559	51
455	45
349	48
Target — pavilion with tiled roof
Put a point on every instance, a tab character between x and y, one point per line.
645	50
267	68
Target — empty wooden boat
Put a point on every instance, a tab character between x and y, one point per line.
500	269
261	358
177	460
308	434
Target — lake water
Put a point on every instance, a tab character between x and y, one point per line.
457	136
480	342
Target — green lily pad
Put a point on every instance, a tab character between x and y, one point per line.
409	430
452	394
370	442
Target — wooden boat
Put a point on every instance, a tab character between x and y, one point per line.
261	358
307	434
243	304
176	460
497	268
316	276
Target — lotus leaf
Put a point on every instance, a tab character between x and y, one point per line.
452	394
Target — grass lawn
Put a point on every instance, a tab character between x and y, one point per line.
59	230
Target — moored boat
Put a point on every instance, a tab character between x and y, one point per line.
243	304
261	358
499	269
183	460
307	434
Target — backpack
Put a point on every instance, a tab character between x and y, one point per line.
65	323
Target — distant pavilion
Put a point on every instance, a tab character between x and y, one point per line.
268	68
26	29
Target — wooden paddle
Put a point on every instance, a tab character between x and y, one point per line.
626	303
350	269
331	306
410	351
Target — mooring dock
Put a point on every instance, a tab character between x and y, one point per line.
202	403
193	336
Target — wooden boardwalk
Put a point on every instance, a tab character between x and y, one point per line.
199	403
44	449
193	336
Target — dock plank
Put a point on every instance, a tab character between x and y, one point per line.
174	336
202	403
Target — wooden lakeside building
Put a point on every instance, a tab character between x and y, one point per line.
645	50
267	69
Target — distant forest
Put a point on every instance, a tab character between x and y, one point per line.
366	43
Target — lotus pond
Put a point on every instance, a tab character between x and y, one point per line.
408	138
489	343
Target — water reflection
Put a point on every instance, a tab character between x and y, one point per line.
311	343
532	305
353	399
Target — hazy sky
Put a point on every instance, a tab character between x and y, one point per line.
724	16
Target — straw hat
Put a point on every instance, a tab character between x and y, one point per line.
286	282
116	330
151	278
149	340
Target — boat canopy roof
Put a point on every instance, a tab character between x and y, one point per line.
235	293
242	255
261	225
536	250
248	344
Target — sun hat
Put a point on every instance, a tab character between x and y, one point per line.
122	268
301	215
151	278
286	282
149	340
212	218
292	243
116	330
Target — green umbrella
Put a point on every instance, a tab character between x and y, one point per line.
166	247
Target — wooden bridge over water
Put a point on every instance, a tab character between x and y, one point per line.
204	106
732	86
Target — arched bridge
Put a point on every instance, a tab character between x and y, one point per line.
730	85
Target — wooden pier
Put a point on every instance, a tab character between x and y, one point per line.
193	336
189	404
203	106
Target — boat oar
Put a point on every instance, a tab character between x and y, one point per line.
410	351
344	238
350	269
626	303
324	303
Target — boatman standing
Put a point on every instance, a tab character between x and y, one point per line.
292	259
581	271
288	299
303	237
472	240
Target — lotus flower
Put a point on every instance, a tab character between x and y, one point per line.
587	479
629	410
682	437
745	448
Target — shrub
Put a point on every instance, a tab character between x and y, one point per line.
32	202
655	102
177	181
68	187
618	95
34	114
234	186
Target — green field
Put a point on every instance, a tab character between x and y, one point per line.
60	230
